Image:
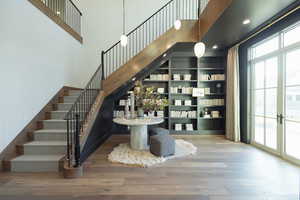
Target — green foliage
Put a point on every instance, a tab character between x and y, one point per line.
147	99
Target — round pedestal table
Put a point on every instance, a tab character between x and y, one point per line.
139	130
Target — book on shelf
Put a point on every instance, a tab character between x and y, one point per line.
212	102
183	114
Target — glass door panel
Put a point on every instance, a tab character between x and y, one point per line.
265	102
292	104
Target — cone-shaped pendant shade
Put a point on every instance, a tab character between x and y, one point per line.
124	40
177	24
199	49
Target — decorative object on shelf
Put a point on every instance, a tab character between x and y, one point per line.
160	90
124	38
206	114
147	99
206	91
215	114
219	88
198	92
199	49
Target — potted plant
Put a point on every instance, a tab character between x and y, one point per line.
147	100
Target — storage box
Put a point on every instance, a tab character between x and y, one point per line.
189	127
160	90
187	102
215	114
176	77
178	127
187	77
178	102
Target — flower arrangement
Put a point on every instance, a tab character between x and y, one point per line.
147	99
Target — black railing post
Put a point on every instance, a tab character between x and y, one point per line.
77	141
199	8
68	143
102	63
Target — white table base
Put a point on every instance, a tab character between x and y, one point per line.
139	137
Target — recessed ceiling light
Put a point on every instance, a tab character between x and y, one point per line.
133	79
215	46
246	21
165	55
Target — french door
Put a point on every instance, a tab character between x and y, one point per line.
275	94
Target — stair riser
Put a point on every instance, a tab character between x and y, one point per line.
74	93
69	99
55	125
35	166
58	115
44	150
64	107
50	137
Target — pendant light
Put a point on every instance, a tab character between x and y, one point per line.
177	23
124	38
199	49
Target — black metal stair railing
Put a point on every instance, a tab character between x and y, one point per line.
150	30
78	116
67	11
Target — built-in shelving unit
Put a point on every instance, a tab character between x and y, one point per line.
186	69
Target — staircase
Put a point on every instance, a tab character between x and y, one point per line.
59	143
48	148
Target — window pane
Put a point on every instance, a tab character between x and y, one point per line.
259	75
293	103
271	133
293	68
267	47
259	130
292	139
271	102
292	36
271	72
259	102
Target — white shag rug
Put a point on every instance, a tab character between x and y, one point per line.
125	155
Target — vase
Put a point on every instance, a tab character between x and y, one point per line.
140	113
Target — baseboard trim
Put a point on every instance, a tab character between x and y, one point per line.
13	149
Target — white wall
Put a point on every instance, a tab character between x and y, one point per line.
102	22
37	58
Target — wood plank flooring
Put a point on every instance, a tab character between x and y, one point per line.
221	170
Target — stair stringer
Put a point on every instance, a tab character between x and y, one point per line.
189	32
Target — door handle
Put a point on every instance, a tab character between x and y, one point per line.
280	118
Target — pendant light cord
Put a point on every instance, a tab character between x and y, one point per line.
123	17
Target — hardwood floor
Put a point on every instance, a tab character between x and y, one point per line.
221	170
